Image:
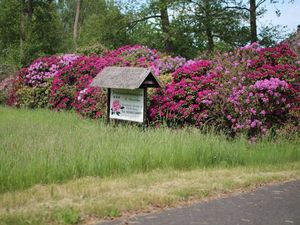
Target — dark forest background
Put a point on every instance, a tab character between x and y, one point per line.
189	28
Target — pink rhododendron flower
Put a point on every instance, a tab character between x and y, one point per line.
116	106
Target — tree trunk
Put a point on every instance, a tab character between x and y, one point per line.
30	11
75	29
207	24
253	26
22	30
165	26
29	19
22	27
210	40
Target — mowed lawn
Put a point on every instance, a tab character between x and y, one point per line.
58	168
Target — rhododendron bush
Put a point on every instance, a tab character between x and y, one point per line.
249	91
44	68
62	82
70	88
257	89
6	87
32	85
187	99
134	55
71	85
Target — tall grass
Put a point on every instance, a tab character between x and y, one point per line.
41	146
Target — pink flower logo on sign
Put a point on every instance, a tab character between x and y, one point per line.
116	107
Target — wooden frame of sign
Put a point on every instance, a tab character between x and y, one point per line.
126	92
142	112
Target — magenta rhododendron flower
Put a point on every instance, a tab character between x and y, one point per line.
186	99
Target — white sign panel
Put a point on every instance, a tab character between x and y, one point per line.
127	105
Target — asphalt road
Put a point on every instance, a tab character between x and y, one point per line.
269	205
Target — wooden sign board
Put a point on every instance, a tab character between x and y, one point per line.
127	105
127	91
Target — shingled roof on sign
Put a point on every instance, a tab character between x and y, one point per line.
125	78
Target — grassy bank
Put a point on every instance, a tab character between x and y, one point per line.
90	199
41	147
56	168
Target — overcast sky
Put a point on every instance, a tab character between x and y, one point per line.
290	15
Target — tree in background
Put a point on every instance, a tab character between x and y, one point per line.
29	28
186	27
156	12
75	29
163	6
215	24
254	9
32	28
103	23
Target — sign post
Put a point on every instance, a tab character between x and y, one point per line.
108	103
126	92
